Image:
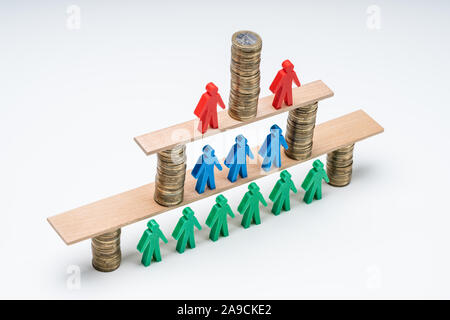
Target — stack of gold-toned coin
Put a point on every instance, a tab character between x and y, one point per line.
245	76
300	130
169	181
106	255
339	166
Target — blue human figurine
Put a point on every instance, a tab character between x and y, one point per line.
270	149
237	158
204	169
217	218
184	230
313	182
149	243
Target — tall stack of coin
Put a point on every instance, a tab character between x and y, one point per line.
339	166
106	255
300	130
169	181
245	77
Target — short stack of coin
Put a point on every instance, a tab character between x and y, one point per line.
245	76
339	166
300	130
170	175
106	255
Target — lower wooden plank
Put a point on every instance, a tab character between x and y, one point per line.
131	206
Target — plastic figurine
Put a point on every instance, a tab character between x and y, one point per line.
184	230
270	149
149	243
313	182
217	219
282	85
280	193
249	206
237	158
204	169
206	108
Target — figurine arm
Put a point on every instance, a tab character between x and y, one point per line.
217	163
283	142
145	240
197	168
307	183
162	236
275	191
230	212
249	152
230	157
263	150
220	101
201	105
197	224
178	229
292	185
261	198
245	202
294	76
212	217
325	176
276	83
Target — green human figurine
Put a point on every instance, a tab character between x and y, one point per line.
149	243
280	193
184	230
217	218
313	182
249	206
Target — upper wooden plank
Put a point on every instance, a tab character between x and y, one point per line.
120	210
187	131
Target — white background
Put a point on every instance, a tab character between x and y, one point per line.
71	101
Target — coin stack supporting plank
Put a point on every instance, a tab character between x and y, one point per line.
300	131
106	255
339	166
245	76
170	175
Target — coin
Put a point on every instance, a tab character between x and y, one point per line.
245	76
300	131
170	175
339	166
106	254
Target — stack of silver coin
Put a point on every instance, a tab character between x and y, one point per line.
300	131
170	175
339	166
106	254
245	76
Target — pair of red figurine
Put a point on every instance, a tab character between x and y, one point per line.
281	86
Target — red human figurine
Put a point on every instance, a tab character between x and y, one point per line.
206	108
282	85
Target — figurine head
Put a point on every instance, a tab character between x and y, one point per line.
275	130
208	151
221	200
241	140
285	176
188	212
318	165
152	225
287	66
211	88
253	188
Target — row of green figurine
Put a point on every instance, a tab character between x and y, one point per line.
217	219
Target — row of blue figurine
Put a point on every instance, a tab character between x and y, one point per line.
236	160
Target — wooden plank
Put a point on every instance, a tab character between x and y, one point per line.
187	132
138	204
